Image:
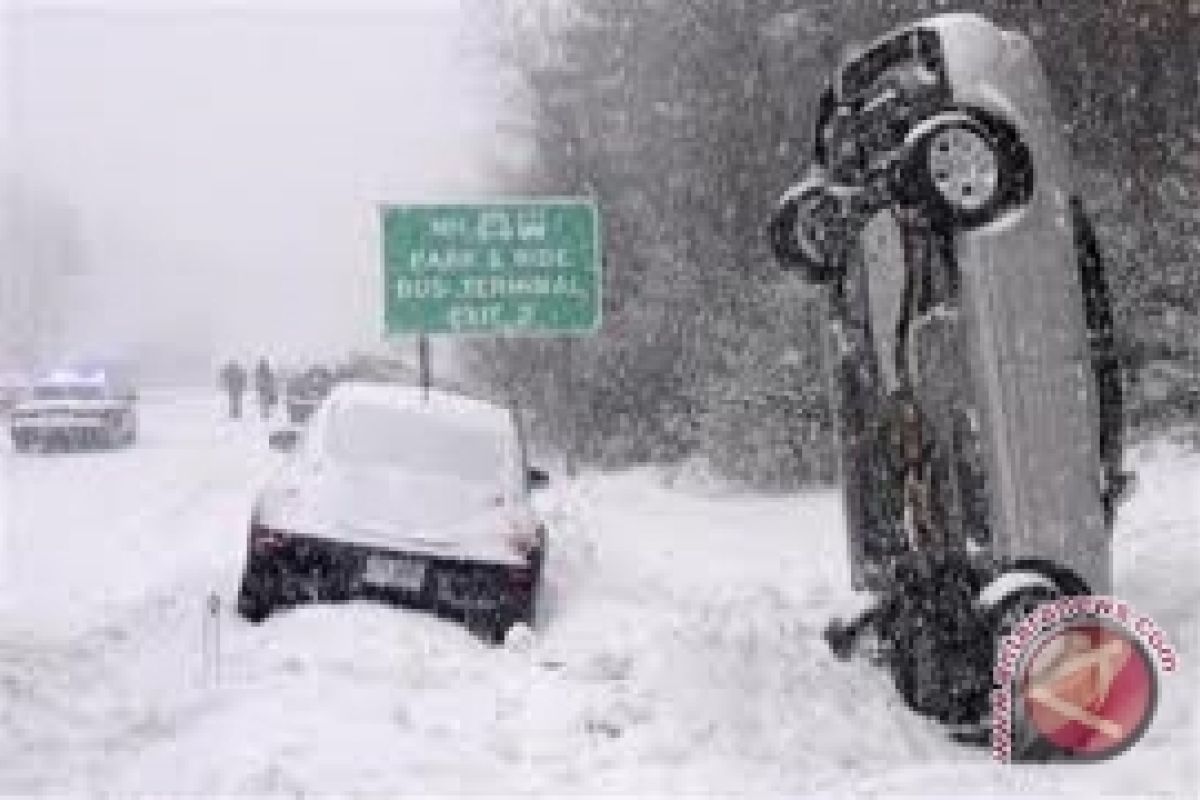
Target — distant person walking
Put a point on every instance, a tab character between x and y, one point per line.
266	386
233	379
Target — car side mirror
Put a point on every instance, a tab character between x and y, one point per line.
537	478
284	440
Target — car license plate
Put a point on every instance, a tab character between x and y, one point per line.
396	573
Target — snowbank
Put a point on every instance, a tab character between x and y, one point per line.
679	650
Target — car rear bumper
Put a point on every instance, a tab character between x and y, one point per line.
38	426
297	569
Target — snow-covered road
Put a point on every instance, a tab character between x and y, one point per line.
679	648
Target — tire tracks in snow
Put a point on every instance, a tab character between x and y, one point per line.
80	697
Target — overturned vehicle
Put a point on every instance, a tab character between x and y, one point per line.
978	396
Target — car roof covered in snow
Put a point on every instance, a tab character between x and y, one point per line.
959	23
955	24
438	402
965	36
72	377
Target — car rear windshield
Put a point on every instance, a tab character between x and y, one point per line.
415	442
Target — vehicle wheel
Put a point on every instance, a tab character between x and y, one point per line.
1020	588
1011	597
490	625
939	649
258	594
523	613
964	169
1018	606
21	443
800	234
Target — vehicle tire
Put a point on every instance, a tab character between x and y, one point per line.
21	442
492	625
522	613
488	624
798	232
939	650
1018	589
1030	583
258	594
1027	745
964	169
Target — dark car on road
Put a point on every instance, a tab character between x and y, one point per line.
413	497
304	391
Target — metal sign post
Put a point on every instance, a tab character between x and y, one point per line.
423	362
210	639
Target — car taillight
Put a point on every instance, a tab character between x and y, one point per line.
521	576
263	538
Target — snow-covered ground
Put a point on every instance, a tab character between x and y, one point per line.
679	648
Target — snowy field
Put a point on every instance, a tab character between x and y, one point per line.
679	646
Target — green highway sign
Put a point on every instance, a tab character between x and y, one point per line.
510	266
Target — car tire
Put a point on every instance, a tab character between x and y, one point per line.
493	625
798	233
490	625
1035	582
258	594
963	169
523	613
1026	744
937	649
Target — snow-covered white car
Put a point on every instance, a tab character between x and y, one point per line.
417	497
74	409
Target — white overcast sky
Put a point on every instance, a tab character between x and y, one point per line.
224	160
